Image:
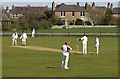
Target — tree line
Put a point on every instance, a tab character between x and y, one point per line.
47	19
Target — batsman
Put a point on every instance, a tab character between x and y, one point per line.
84	40
23	37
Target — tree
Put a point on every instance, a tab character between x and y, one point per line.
35	20
6	27
108	16
44	24
97	15
49	14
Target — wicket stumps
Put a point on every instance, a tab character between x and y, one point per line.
77	48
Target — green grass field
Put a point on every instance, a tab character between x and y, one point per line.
74	30
19	62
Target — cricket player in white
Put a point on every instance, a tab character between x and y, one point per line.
84	42
23	37
14	38
97	45
65	51
33	33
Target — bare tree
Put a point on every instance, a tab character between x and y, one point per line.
97	15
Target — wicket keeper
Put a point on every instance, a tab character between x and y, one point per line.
14	38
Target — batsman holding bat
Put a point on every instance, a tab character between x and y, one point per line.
65	51
84	40
23	37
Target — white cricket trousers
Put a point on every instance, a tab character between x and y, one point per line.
24	42
14	41
84	49
65	60
33	35
97	49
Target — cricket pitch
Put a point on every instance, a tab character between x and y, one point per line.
49	49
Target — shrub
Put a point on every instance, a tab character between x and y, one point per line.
71	23
87	23
79	22
59	22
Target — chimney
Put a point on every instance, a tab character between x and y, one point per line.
46	6
108	6
93	5
86	6
77	3
111	6
13	6
53	6
28	5
7	9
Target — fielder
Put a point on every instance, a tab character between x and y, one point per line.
97	45
84	42
14	38
23	37
65	51
33	33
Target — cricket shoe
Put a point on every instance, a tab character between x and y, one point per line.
66	68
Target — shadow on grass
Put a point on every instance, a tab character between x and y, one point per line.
52	67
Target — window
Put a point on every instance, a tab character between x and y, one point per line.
73	21
13	15
82	14
26	8
73	13
62	13
16	15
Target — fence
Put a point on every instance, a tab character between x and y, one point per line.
71	31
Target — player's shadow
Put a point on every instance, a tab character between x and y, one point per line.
51	67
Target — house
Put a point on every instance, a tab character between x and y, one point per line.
116	12
94	7
69	12
4	18
18	11
72	12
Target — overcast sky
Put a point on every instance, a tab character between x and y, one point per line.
60	0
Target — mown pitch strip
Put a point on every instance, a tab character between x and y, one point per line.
49	49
